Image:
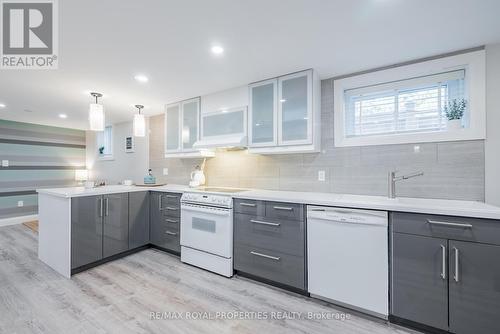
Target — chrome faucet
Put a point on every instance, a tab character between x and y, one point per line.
393	179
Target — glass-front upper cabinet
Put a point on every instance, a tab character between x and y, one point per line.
172	126
263	115
182	128
295	109
190	123
285	114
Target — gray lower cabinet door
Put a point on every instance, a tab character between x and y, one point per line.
115	226
86	230
474	283
419	279
138	227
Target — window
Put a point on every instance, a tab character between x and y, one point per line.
408	104
412	105
105	143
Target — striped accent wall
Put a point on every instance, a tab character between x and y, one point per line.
39	157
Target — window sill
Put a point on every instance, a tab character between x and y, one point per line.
105	158
410	138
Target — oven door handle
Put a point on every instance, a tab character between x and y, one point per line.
210	211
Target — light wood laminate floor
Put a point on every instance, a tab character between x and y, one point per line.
118	297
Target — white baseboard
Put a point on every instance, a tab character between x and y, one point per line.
17	220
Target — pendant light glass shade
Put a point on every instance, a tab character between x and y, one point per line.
96	117
96	114
139	123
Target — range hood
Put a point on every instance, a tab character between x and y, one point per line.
223	129
233	141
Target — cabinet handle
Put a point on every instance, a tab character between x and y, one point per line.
100	207
171	196
159	202
107	206
265	256
171	208
260	222
248	204
435	222
170	233
456	277
284	208
443	263
171	221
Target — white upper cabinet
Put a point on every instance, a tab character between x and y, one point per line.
172	122
284	114
182	129
263	115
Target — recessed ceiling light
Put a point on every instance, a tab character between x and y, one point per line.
2	105
141	78
63	116
217	50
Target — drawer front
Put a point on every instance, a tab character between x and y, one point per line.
249	206
274	266
166	235
171	210
171	221
286	236
280	210
171	199
447	227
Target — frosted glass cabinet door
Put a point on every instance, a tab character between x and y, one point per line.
190	116
295	109
172	125
263	113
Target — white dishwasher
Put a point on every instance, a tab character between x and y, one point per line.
347	252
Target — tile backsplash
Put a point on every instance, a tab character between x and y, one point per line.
452	170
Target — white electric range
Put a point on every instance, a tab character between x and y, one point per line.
207	229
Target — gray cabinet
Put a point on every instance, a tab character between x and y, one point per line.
138	219
420	287
99	228
269	241
445	272
165	221
86	230
474	285
115	226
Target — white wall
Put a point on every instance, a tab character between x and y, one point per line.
492	144
131	166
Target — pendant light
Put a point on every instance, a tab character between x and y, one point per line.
139	123
96	114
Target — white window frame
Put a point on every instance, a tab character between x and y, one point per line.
474	64
99	142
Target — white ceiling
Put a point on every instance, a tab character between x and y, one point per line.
103	44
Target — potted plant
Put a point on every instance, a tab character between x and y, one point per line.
101	150
454	111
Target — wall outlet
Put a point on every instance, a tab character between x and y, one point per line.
20	203
5	163
165	171
321	175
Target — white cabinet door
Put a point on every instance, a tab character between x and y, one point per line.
172	127
263	115
295	109
190	123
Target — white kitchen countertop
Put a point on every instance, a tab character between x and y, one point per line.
402	204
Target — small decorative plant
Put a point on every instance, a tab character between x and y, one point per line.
101	150
455	109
